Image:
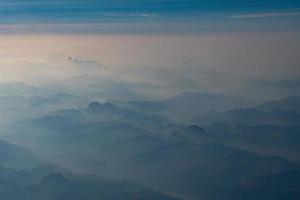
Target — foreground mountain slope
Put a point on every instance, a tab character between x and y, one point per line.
211	162
15	156
30	185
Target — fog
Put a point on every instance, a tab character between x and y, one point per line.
159	100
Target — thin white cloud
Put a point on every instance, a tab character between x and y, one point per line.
111	14
265	15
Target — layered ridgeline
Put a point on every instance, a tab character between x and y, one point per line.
24	177
235	154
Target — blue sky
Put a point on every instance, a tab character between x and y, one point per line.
152	15
78	11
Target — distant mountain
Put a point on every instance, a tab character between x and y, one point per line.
105	108
164	109
15	107
97	127
139	144
191	133
286	104
253	116
211	162
116	94
270	89
15	156
114	113
16	88
264	139
189	105
207	170
95	112
284	186
250	116
271	128
12	178
146	107
58	101
113	90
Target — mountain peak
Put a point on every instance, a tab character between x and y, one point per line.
55	179
96	106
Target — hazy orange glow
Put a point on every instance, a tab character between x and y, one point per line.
252	54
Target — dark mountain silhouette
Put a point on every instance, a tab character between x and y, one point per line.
203	102
286	104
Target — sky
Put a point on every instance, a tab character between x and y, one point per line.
148	16
55	39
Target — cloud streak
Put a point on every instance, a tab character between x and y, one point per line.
111	14
265	15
